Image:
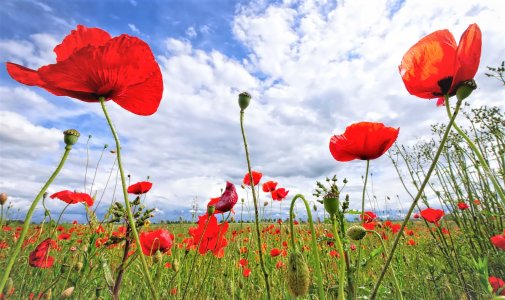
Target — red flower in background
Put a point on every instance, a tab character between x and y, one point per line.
91	64
275	252
497	284
210	235
436	66
432	215
256	178
39	258
499	241
73	198
364	140
269	186
368	216
279	194
152	241
228	199
462	205
140	187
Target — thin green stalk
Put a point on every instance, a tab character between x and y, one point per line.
342	257
358	261
418	196
145	268
397	285
256	214
487	170
28	218
315	253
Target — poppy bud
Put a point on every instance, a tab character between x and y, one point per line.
71	137
465	89
210	210
175	265
298	275
330	202
158	257
265	203
244	99
356	232
314	207
78	266
67	293
3	198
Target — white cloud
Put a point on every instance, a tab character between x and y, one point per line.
191	32
134	28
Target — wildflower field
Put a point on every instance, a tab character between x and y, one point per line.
448	242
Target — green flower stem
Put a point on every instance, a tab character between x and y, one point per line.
127	203
342	258
358	261
315	253
487	170
28	218
418	196
255	200
397	285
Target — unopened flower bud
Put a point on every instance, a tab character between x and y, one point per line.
71	137
3	198
67	293
78	266
465	89
210	210
265	203
158	257
175	265
47	295
330	202
244	99
356	232
298	275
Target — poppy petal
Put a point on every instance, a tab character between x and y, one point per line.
24	75
468	55
80	38
427	63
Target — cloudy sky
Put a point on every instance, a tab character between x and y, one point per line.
312	67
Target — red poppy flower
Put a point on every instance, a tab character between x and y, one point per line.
210	235
369	217
436	66
90	64
73	198
64	236
228	199
246	273
269	186
152	241
243	262
279	194
497	284
432	215
275	252
256	178
411	242
140	188
499	241
476	202
39	258
462	205
364	140
416	216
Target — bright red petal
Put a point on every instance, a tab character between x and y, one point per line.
80	38
427	62
24	75
339	149
468	55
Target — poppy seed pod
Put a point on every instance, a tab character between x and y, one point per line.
3	198
465	89
71	137
330	202
356	232
298	275
244	99
210	210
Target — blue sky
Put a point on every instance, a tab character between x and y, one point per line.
313	68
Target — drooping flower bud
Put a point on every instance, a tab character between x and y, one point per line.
175	265
465	89
244	99
158	257
3	198
71	137
356	232
298	275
